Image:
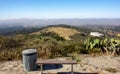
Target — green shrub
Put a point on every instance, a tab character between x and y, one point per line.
104	45
53	35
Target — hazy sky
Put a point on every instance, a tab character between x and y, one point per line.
11	9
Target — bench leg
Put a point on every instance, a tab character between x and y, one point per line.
71	68
41	69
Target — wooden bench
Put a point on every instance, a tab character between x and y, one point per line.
56	61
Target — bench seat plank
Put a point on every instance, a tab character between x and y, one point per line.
56	61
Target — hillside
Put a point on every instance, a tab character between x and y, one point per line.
63	32
53	41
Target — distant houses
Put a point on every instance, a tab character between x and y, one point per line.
96	34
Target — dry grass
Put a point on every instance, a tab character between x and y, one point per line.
63	32
112	70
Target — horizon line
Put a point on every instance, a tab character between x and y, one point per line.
56	18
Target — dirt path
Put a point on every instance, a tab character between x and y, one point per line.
100	64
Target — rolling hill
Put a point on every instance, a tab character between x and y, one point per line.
63	32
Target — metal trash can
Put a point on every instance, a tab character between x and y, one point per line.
29	59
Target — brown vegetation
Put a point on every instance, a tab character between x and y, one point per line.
63	32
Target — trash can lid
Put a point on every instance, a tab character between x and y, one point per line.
29	51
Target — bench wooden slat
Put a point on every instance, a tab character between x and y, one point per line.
56	61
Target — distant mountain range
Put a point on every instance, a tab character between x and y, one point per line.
14	26
43	22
